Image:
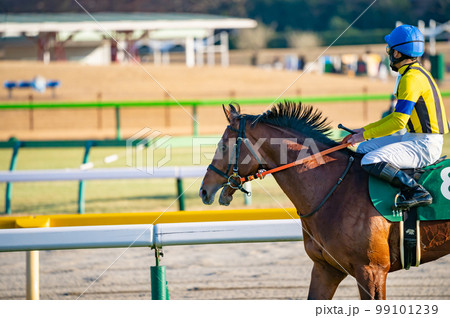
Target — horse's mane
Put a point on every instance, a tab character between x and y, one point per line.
299	117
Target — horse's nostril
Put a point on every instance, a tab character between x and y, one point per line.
204	192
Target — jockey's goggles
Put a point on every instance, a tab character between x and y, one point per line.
388	48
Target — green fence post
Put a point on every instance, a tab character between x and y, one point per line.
118	133
180	193
82	184
160	289
437	67
194	120
12	167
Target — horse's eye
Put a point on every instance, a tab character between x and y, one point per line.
223	148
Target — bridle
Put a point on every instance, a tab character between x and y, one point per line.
235	181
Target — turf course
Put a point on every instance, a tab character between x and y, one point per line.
113	195
120	195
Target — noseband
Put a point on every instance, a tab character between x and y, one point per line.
234	180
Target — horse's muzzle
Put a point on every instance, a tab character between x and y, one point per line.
206	198
226	196
207	193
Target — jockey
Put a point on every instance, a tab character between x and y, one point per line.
419	109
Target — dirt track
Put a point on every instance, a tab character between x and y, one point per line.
234	271
131	82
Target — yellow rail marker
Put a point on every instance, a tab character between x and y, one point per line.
10	222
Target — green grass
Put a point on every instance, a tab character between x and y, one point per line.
114	195
119	195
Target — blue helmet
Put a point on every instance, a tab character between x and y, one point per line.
406	39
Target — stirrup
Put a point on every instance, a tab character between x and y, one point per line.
395	206
416	203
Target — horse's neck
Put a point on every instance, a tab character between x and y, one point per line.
307	184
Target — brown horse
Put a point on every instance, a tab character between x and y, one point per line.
347	236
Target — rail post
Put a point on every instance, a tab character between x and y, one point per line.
166	110
99	111
160	289
31	112
12	167
118	133
82	184
32	259
194	120
32	275
180	193
247	198
365	105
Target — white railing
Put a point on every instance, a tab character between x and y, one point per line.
142	235
148	235
81	175
101	174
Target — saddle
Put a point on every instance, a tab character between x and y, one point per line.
417	173
436	179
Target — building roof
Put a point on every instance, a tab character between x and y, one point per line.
33	23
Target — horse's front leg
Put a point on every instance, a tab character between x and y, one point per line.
371	281
324	280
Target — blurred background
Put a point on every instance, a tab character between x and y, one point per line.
72	80
82	79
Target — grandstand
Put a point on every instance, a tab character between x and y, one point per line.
91	39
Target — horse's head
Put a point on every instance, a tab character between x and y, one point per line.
231	161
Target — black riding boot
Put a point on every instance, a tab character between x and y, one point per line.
412	193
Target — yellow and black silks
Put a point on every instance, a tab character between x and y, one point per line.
419	107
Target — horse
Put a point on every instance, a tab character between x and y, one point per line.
345	235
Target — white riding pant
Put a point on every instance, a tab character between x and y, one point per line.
403	150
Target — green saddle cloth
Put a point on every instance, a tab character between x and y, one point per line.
437	182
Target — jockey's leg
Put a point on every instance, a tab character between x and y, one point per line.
414	151
412	193
376	143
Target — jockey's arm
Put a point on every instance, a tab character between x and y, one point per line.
386	126
408	93
377	123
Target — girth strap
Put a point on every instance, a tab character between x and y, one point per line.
347	168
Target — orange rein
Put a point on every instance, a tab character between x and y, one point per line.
262	173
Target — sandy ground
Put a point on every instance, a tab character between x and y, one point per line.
150	82
233	271
133	82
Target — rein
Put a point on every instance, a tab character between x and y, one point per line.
235	181
262	173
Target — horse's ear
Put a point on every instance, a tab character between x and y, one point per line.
227	113
231	111
235	108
